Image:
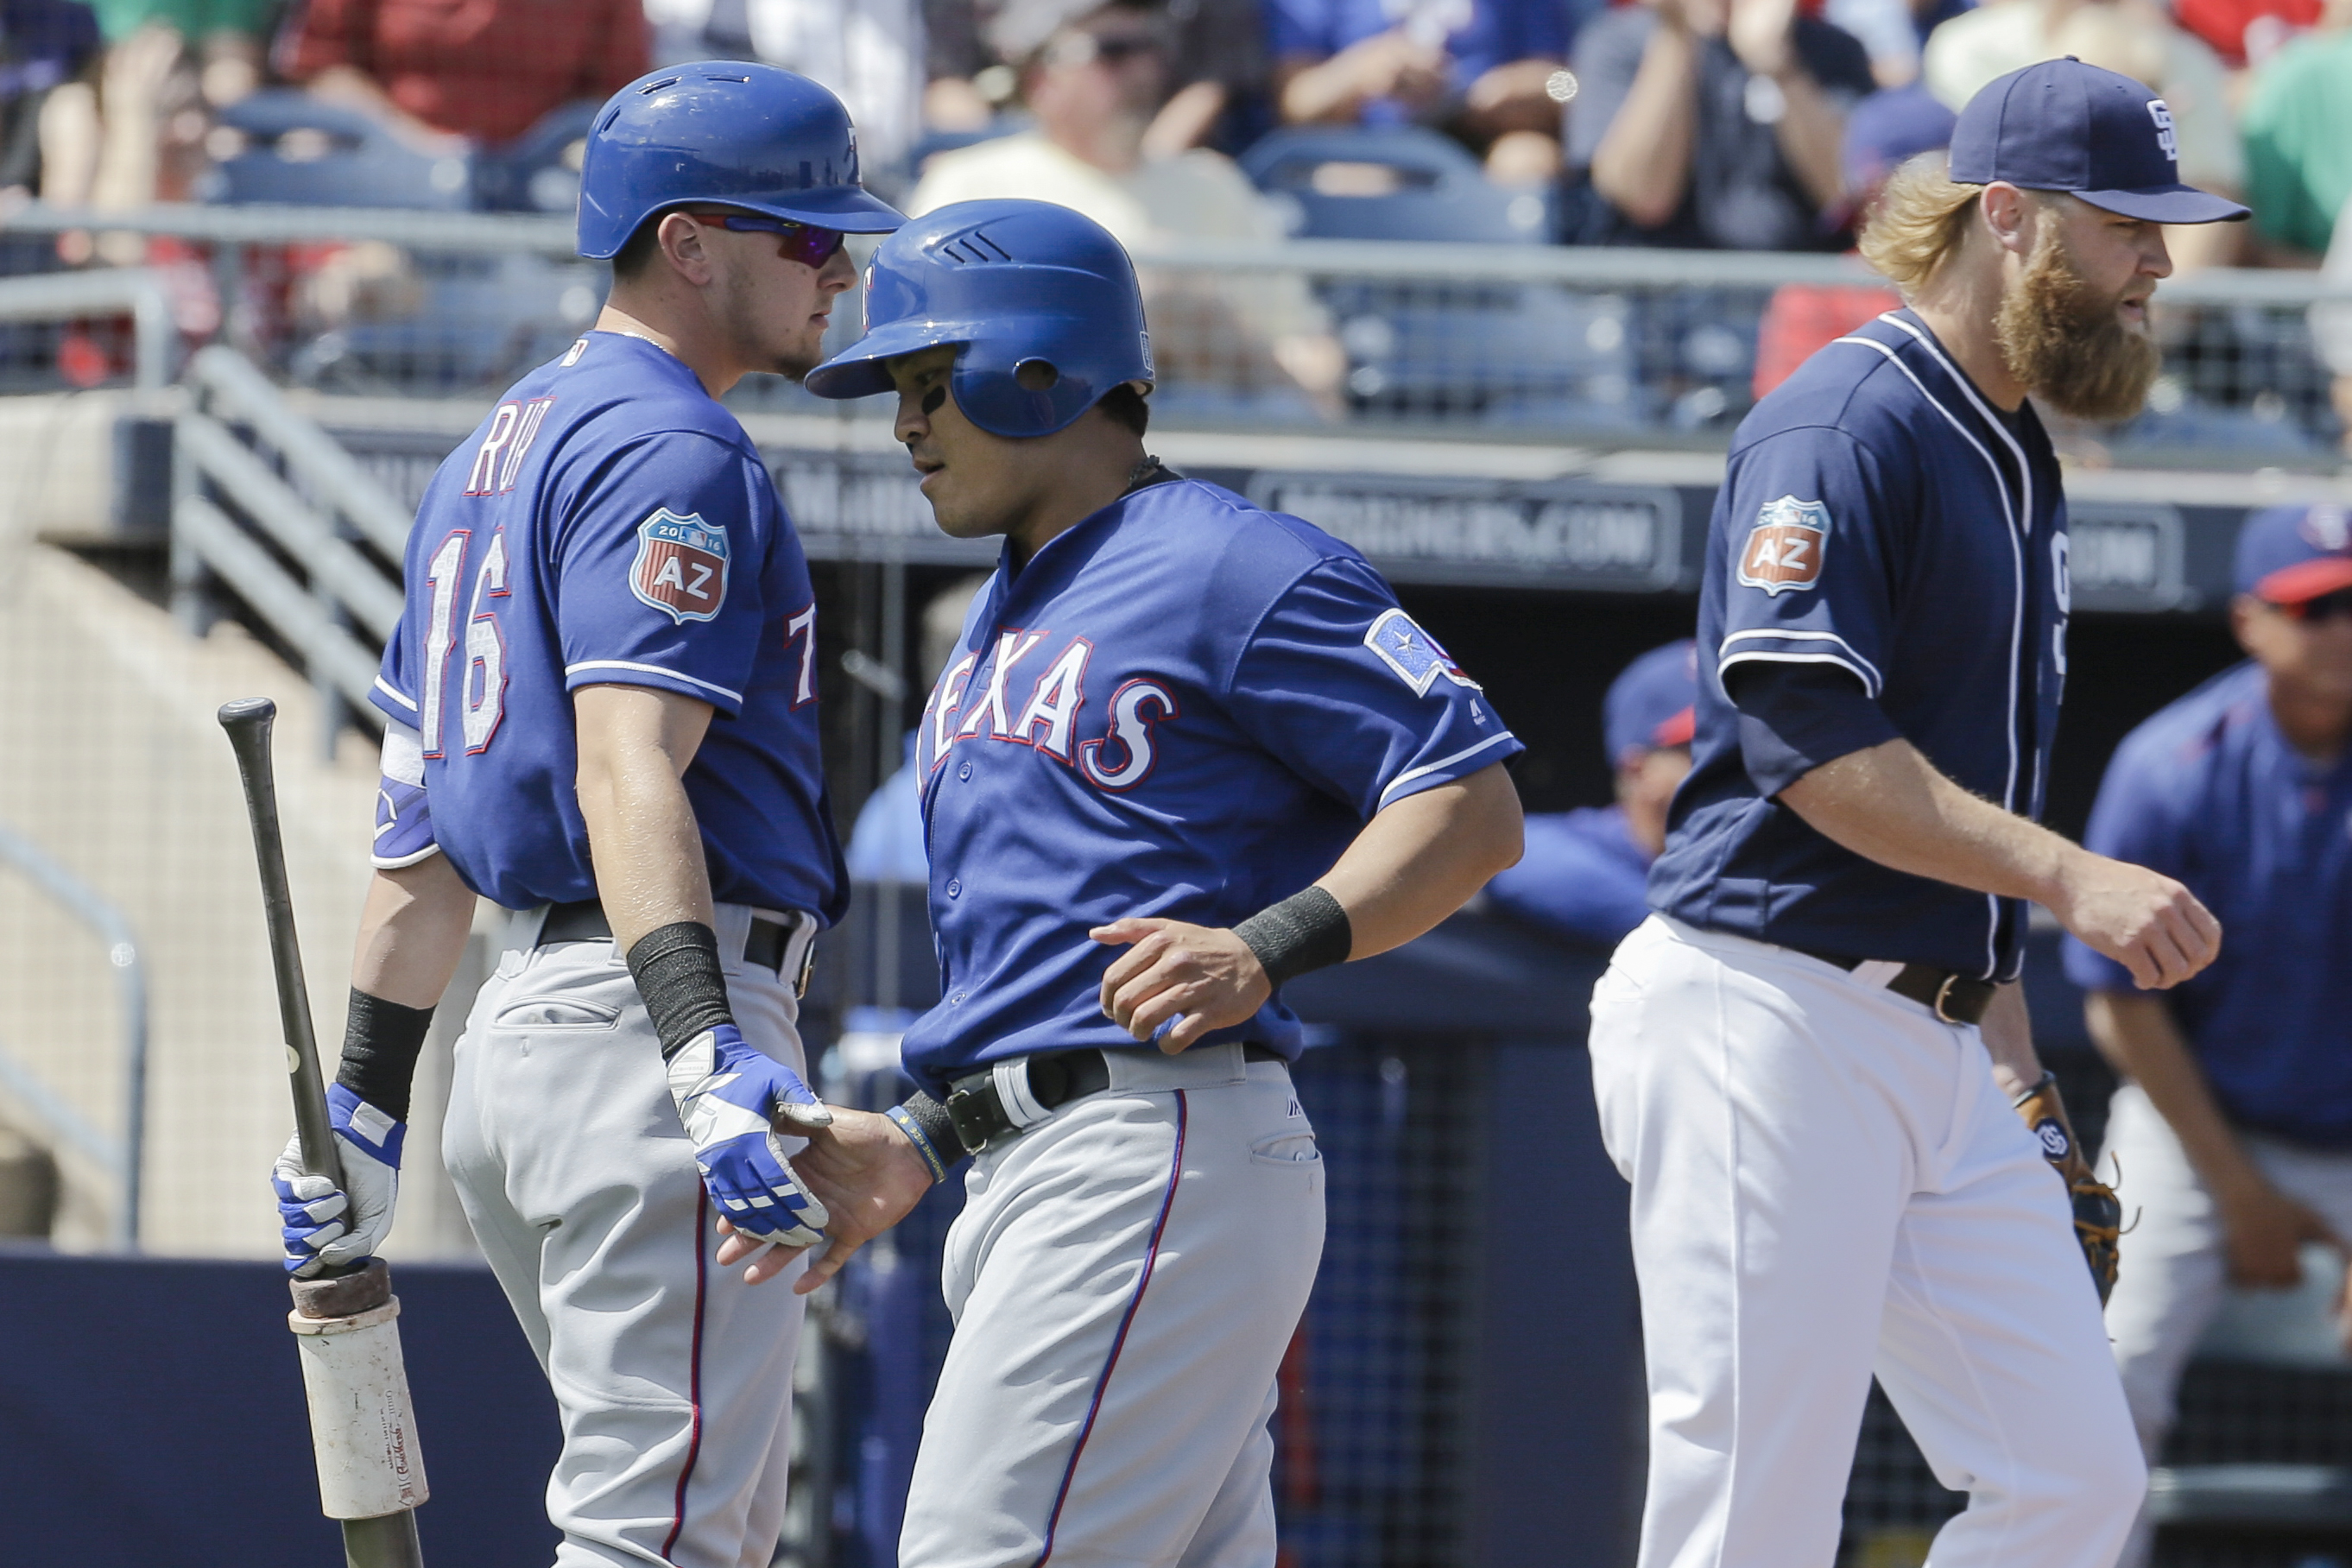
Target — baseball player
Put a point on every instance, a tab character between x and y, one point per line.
602	715
1586	872
1185	750
2232	1132
1806	1058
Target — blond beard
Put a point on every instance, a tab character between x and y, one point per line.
2068	345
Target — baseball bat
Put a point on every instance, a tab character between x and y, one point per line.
370	1478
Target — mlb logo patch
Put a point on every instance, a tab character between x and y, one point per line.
1783	551
681	565
1412	654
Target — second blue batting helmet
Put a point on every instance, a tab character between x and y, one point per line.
729	132
1041	301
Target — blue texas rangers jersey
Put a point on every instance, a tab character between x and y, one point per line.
609	523
1183	707
1582	877
2210	792
1876	516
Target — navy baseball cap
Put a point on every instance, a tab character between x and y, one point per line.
2290	554
2062	125
1652	703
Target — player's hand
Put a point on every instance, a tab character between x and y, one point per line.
327	1226
1197	978
729	1098
2147	922
2263	1231
866	1175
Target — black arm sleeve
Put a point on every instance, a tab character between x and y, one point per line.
1795	717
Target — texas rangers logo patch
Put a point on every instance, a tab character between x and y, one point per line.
1783	551
681	565
1412	654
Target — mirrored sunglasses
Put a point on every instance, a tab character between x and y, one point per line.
805	243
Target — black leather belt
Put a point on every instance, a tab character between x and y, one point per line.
767	945
1954	997
1055	1078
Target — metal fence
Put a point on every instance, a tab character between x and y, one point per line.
1532	343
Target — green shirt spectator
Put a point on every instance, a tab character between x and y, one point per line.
2298	131
118	19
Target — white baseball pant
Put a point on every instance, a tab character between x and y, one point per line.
1827	1184
2175	1265
1125	1276
672	1377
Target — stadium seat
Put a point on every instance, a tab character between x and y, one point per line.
357	162
1415	184
535	173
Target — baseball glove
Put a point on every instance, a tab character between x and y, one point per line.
2099	1217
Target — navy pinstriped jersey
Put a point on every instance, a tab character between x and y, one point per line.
608	523
1183	707
1878	516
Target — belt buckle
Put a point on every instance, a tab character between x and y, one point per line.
974	1115
1943	993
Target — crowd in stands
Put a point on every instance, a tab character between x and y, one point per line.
1737	124
1731	124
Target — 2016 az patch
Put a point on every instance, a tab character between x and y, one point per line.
1783	553
681	565
1413	654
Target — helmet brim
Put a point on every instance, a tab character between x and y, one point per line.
849	209
861	370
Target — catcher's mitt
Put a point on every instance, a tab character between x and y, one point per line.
2099	1217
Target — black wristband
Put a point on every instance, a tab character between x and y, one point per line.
677	970
1305	932
381	1041
932	1132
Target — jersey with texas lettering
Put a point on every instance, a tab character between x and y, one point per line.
608	524
1183	707
1877	516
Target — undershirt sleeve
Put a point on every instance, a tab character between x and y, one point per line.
1795	717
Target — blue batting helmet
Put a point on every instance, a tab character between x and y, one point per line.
730	132
1032	293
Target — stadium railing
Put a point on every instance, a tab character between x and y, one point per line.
123	1153
1622	346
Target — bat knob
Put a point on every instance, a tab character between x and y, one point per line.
246	711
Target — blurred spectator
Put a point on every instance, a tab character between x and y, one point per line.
1716	124
886	845
1883	130
2298	129
869	52
1092	83
2246	32
44	45
2134	38
1217	67
1892	31
1585	873
139	137
1489	71
443	77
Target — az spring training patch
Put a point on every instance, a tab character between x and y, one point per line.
1783	553
681	565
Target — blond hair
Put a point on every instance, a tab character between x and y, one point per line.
1919	223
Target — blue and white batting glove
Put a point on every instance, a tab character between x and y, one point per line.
328	1226
728	1094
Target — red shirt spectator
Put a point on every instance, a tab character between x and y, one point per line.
2246	32
488	69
